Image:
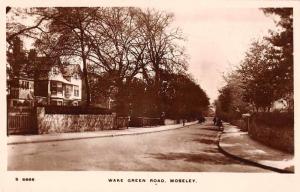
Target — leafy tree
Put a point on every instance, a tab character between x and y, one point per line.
182	97
260	82
282	40
266	73
235	83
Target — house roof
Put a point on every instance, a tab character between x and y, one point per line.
71	69
63	80
45	65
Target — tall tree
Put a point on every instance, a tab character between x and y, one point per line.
282	40
163	53
267	70
128	41
116	47
260	77
68	35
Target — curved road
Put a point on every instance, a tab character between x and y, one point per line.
190	149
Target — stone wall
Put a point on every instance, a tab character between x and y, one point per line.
62	123
170	122
145	122
281	137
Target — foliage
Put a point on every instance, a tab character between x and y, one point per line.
283	39
182	97
265	74
230	104
261	75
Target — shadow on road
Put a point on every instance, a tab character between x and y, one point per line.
206	141
203	135
207	157
210	128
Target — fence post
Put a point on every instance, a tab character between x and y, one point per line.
115	121
246	118
40	114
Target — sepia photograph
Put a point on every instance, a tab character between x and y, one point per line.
156	95
150	89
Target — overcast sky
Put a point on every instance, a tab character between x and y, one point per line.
218	39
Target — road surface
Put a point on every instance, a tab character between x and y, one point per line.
190	149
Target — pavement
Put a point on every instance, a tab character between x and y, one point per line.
24	139
239	145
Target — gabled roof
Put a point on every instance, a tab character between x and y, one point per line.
45	64
71	69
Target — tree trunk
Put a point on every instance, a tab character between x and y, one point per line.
121	98
87	87
157	87
85	73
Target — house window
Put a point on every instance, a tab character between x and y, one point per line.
56	88
59	87
68	90
55	71
53	88
76	91
24	84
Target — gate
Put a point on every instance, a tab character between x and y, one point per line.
21	123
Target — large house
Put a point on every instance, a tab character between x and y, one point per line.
52	84
57	85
